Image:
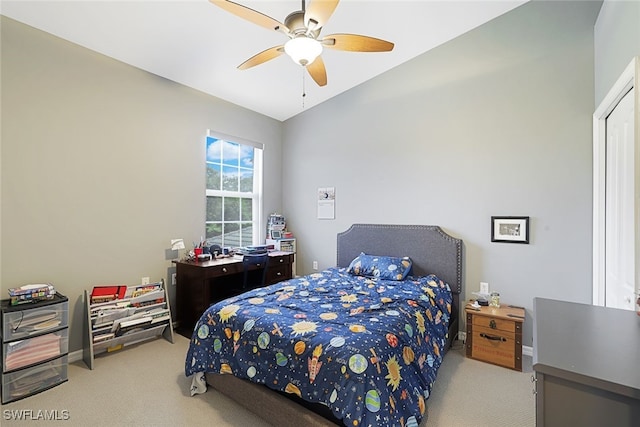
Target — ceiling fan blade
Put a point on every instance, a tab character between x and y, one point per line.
356	43
318	13
317	71
262	57
251	15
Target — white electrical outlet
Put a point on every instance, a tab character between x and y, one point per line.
484	288
315	265
173	279
145	280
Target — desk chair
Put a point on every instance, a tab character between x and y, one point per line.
254	269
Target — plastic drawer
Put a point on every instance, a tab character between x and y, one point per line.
26	382
24	322
18	354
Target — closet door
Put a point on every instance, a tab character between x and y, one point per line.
620	206
616	193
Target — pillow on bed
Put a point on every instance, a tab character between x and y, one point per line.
382	267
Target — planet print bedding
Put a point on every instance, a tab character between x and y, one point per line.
367	348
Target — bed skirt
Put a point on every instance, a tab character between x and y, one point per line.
266	403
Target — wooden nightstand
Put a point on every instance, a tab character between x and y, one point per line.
494	335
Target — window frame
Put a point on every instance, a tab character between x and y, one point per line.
256	195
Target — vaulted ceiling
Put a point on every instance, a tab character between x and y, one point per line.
198	44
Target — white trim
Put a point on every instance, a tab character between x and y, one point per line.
627	80
231	138
259	224
75	356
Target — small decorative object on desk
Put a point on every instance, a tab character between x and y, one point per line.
32	293
495	299
204	257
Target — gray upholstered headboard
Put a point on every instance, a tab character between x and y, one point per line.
431	249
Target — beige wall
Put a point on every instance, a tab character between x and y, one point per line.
103	164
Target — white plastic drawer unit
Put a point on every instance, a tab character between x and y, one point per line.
18	354
21	321
26	382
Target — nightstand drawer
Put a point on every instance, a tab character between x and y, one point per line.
493	346
494	323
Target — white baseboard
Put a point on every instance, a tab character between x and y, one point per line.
75	356
462	336
526	350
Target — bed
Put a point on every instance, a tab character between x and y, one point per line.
357	344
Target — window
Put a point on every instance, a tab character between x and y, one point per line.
234	191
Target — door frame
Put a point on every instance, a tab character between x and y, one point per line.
629	79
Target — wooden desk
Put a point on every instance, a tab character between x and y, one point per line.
200	284
585	360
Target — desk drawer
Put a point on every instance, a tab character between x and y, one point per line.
223	269
278	273
280	260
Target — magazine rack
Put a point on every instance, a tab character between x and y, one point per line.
124	319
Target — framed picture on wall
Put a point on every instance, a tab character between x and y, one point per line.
510	229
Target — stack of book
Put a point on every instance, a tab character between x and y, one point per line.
31	293
253	250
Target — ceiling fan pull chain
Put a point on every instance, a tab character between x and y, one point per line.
304	92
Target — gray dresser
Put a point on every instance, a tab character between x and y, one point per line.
586	362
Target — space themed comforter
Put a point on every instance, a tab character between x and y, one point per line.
367	348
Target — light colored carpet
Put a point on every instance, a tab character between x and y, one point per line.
472	393
144	385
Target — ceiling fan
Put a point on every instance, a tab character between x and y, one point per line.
303	29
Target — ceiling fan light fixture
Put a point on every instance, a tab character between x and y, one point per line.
303	50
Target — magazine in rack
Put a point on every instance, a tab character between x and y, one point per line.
121	315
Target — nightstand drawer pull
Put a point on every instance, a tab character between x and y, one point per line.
493	337
492	324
